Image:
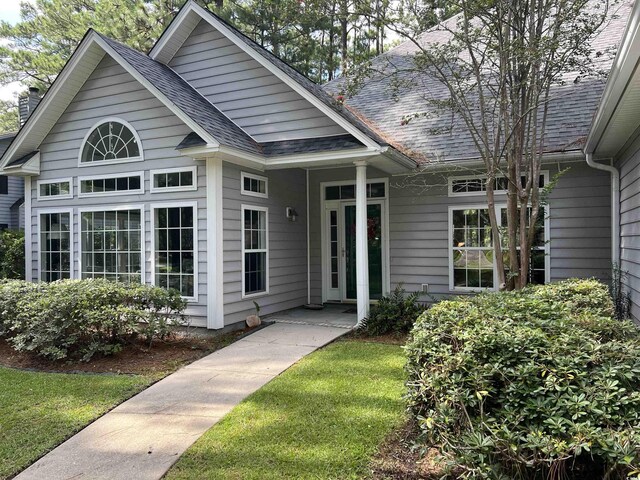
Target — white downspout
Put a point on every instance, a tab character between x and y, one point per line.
615	205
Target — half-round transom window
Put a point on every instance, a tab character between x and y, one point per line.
111	140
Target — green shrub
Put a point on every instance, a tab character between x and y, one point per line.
535	384
81	318
393	314
12	254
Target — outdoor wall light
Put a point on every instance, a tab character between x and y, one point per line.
291	214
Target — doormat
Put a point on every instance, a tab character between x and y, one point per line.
351	310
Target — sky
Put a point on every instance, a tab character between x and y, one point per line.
9	12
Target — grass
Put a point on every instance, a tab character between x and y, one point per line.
323	419
40	410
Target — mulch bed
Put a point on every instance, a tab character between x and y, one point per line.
397	460
135	358
390	338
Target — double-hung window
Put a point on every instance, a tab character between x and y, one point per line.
472	264
255	256
112	244
55	245
175	247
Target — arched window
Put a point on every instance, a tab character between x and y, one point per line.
112	140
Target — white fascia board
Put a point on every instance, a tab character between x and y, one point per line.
626	61
48	99
191	6
157	93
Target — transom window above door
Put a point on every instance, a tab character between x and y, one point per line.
112	141
348	192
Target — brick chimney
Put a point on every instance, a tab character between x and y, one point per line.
27	103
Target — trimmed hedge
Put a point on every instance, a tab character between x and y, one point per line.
535	384
81	318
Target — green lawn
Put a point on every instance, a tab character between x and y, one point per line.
40	410
323	418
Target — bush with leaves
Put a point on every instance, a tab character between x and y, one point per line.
12	254
537	384
81	318
393	314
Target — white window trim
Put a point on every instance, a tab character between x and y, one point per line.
482	176
139	158
138	191
253	176
54	197
39	212
115	208
194	205
266	250
182	188
498	207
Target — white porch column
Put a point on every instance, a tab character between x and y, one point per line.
215	283
362	241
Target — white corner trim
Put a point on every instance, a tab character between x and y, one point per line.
182	188
243	208
137	191
152	219
252	176
44	211
45	198
215	245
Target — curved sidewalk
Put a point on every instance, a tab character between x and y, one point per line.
144	436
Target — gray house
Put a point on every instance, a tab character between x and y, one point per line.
213	167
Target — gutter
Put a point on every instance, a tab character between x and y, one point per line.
615	205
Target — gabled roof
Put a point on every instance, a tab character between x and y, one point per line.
445	137
165	48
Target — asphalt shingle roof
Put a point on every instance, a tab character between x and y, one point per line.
186	98
289	147
445	137
20	161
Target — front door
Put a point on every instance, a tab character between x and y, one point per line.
375	236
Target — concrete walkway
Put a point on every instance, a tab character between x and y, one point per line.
141	438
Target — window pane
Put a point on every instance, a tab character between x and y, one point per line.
111	245
55	243
110	141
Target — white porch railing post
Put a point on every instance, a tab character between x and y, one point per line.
362	241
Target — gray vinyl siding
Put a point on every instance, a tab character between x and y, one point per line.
254	98
579	227
629	166
15	191
287	248
110	91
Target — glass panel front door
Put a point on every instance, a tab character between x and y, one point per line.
374	234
